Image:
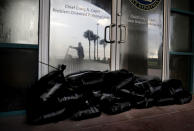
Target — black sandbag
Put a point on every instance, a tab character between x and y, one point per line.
62	105
138	79
70	99
113	78
47	117
114	105
50	112
150	87
60	94
84	110
118	107
50	92
145	92
117	75
48	81
141	87
41	91
47	111
170	89
92	81
164	101
94	97
155	87
85	94
107	99
89	112
63	97
123	88
143	102
183	97
172	86
54	110
84	80
126	93
74	80
91	78
136	95
139	90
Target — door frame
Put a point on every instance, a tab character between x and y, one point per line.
44	29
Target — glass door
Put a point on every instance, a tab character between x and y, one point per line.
77	35
140	36
77	32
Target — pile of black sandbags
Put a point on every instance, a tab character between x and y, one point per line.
86	94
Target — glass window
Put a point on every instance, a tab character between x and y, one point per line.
77	34
19	21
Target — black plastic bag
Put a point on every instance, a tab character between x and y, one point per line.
114	78
47	82
173	86
164	101
40	94
90	112
85	94
155	87
183	97
125	93
150	88
114	105
47	117
124	88
85	81
74	81
85	110
94	97
92	81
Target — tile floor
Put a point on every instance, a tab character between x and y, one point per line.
166	118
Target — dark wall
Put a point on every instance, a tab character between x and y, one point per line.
18	71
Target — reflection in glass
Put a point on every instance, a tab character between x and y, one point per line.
19	21
77	33
142	53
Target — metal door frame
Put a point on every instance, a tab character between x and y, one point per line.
44	25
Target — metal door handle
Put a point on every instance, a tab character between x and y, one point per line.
121	34
110	34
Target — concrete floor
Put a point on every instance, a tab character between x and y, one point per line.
167	118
